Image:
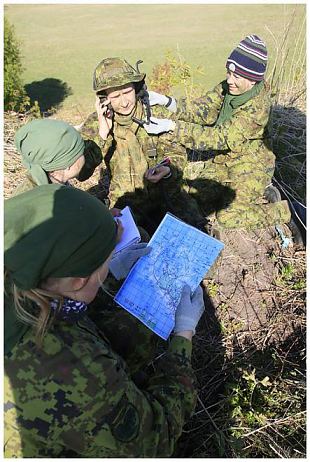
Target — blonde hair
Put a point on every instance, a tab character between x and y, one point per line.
42	299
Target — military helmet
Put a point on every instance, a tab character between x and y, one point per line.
114	72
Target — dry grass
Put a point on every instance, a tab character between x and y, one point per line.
249	352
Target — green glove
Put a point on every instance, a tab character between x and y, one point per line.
93	158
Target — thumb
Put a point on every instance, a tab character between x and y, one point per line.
140	245
186	292
142	251
198	294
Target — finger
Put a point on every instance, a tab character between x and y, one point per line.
198	293
186	291
140	252
148	173
144	251
120	225
116	212
120	230
140	245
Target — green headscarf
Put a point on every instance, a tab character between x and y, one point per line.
232	102
47	145
55	231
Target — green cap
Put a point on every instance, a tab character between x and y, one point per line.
47	145
55	231
114	72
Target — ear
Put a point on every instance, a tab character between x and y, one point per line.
78	283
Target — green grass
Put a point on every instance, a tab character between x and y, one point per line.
65	42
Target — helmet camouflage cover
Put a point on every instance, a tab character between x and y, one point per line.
114	72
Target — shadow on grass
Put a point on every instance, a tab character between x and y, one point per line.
49	93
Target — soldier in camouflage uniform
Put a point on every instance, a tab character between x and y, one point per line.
54	152
68	393
230	123
131	155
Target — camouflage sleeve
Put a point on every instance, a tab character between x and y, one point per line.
178	160
247	124
77	396
145	423
203	110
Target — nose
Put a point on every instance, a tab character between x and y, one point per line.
123	101
229	79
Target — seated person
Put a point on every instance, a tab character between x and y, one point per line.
67	392
230	122
131	156
54	152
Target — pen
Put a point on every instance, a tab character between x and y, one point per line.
165	161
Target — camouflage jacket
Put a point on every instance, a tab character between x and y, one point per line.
74	397
154	148
245	133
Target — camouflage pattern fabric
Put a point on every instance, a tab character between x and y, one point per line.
235	162
114	72
75	397
126	168
130	339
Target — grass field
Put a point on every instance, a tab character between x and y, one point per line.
65	42
249	353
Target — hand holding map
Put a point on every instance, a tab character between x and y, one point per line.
181	254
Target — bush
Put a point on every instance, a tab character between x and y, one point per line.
15	97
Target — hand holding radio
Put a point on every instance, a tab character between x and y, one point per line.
105	115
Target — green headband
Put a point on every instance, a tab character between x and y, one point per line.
55	231
47	145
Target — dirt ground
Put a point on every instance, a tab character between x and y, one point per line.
244	280
242	284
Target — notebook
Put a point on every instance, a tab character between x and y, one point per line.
130	234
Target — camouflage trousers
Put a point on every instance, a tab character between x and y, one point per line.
149	209
234	192
129	338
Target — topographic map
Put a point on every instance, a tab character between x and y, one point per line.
181	254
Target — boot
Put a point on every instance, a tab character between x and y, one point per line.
297	223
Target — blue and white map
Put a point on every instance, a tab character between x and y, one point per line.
181	254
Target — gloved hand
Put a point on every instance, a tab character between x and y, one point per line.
189	310
122	263
162	100
158	126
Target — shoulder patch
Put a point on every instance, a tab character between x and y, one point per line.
125	426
